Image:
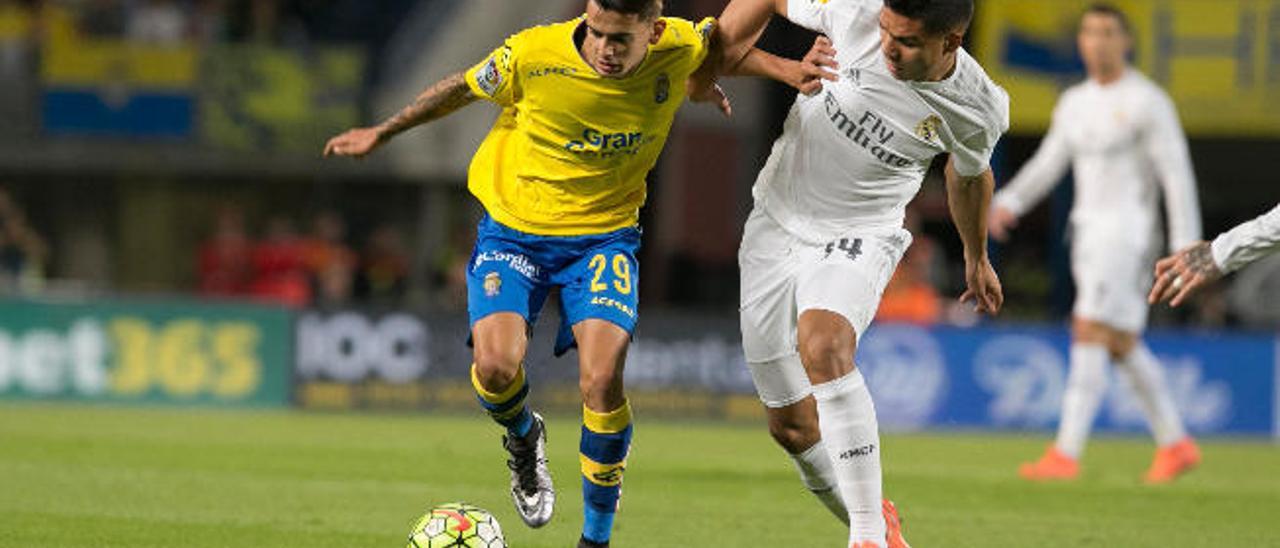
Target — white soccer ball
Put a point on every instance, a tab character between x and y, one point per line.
458	525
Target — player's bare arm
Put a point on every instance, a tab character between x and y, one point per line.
740	27
806	75
969	199
732	52
439	100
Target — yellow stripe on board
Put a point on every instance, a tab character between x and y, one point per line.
1218	59
81	63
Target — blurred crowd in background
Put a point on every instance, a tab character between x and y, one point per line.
303	240
179	22
317	267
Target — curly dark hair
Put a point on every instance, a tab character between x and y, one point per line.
939	16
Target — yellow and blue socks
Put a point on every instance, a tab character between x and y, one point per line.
507	408
606	441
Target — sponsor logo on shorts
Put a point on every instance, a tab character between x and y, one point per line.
514	261
492	284
613	303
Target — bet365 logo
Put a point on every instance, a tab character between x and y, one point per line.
129	357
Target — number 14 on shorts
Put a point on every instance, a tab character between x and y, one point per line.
850	247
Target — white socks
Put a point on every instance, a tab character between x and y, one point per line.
1086	384
1148	380
847	419
814	465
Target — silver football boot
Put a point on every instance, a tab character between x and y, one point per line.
531	487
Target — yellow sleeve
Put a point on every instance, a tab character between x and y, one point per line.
705	29
495	77
695	38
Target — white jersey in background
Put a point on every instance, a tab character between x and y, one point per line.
1248	242
1124	144
853	155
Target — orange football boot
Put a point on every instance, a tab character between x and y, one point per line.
1173	461
893	529
1054	465
893	526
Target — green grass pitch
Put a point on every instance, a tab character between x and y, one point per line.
102	476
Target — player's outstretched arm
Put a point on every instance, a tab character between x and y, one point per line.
969	199
738	29
736	32
1034	181
437	101
806	75
1180	275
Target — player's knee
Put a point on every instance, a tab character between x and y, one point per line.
795	436
601	388
1120	345
496	370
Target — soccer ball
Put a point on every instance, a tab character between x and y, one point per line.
457	524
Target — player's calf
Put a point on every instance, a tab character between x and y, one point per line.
605	443
532	490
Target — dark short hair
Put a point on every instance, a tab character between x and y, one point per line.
938	16
1103	8
646	9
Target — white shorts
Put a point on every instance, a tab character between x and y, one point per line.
1112	281
783	276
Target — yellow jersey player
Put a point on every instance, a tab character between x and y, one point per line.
586	107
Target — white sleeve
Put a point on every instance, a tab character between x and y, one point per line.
1248	242
1042	172
1166	148
821	15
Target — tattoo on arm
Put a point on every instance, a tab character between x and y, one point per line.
437	101
1200	261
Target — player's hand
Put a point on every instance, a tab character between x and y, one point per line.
356	143
1182	274
711	94
817	65
983	287
1000	222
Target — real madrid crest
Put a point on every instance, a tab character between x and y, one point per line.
492	284
927	129
662	88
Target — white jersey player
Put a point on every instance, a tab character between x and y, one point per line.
1119	133
1178	276
827	230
